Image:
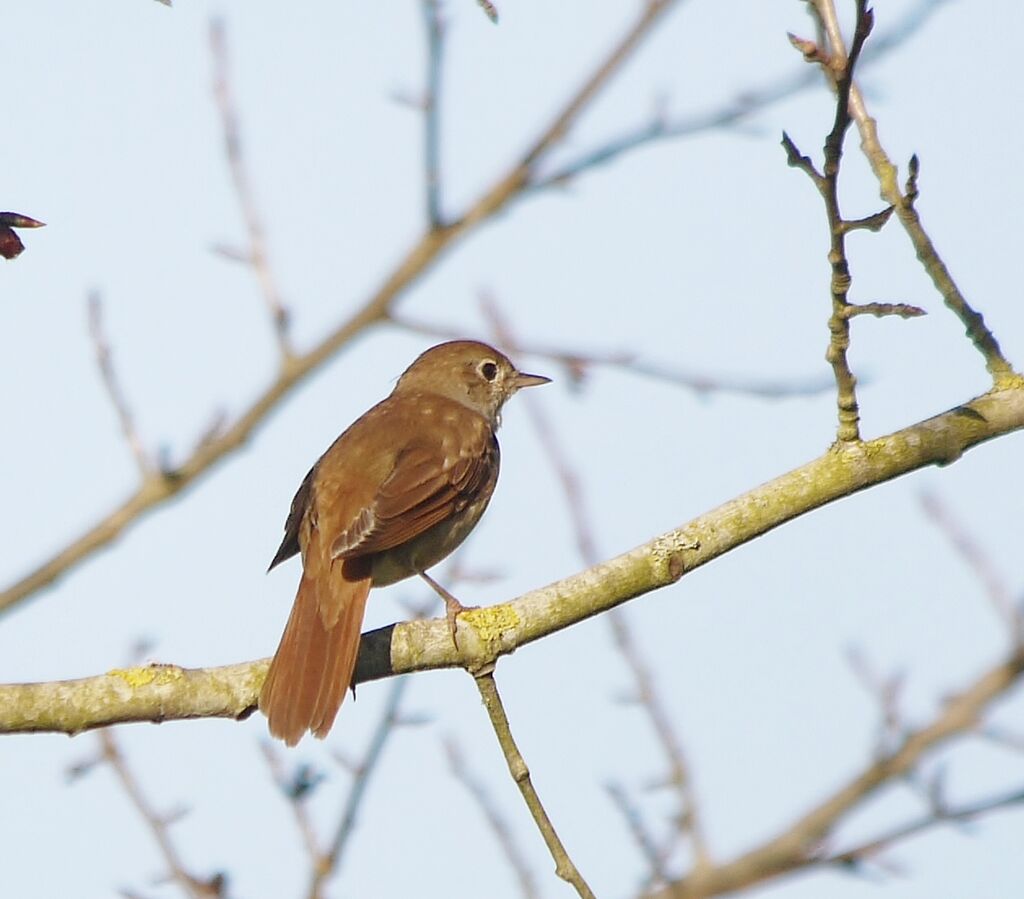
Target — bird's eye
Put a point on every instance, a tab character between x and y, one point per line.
488	370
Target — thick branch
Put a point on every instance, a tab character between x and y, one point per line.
166	692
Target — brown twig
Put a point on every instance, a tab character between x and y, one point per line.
886	691
841	68
799	844
978	561
426	250
256	254
113	388
287	784
863	852
564	866
578	364
744	105
158	825
499	827
655	856
880	310
435	30
903	202
646	694
363	772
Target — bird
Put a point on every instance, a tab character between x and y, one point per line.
395	494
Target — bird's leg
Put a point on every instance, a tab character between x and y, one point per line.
452	607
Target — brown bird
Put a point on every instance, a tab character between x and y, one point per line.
392	496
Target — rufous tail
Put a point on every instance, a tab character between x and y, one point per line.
313	665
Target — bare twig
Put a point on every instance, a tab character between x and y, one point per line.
564	866
880	310
363	772
646	694
502	833
435	29
256	254
798	846
840	68
296	797
744	105
425	251
578	364
864	852
634	821
158	825
978	561
113	388
998	366
886	691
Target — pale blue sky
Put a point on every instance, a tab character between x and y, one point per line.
706	254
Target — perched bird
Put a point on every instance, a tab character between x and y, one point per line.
393	495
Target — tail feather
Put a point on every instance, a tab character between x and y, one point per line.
313	665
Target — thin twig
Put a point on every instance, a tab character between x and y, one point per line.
113	387
744	105
158	825
256	254
564	866
502	833
634	821
840	68
880	310
435	30
984	341
887	692
426	250
798	846
577	365
972	553
389	721
646	694
295	798
865	851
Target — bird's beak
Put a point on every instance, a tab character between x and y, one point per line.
524	380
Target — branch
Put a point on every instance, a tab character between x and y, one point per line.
744	105
432	111
158	826
363	771
427	249
840	69
106	366
160	693
256	255
646	695
979	334
863	852
564	866
578	363
797	846
500	829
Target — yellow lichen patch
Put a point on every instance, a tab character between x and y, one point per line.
492	621
143	676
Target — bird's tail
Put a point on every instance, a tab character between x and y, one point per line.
313	665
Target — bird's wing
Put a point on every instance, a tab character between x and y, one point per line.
290	543
436	473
